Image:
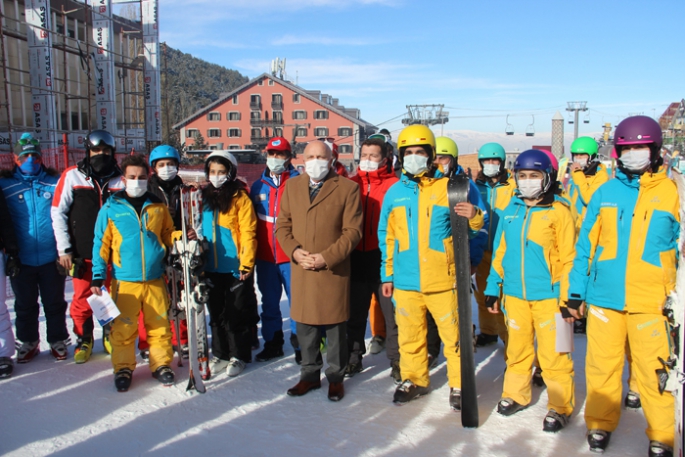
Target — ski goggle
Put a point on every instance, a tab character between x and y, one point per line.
100	138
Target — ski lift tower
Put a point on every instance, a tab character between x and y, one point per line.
426	115
576	107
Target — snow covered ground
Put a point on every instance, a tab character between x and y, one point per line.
63	409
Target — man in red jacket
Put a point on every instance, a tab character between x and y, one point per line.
374	177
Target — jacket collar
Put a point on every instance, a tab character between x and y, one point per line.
377	176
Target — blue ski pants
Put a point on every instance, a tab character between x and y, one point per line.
272	278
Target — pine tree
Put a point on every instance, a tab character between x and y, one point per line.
199	143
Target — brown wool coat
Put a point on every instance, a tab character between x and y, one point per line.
332	226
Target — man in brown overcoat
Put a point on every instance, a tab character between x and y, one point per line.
318	226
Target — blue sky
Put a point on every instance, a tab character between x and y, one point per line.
482	59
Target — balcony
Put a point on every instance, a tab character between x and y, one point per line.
260	140
277	105
266	123
256	105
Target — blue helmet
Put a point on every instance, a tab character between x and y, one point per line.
164	151
535	159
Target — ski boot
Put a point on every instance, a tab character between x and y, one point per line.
272	349
657	449
165	375
554	421
598	440
507	407
407	391
455	399
235	367
84	348
58	350
537	377
27	351
353	368
122	379
6	367
632	400
377	344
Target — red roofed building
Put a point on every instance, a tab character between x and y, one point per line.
268	106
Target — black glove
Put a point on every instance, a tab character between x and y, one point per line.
490	301
574	303
565	313
12	265
97	283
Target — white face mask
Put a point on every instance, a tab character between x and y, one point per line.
136	187
368	165
530	188
415	164
277	166
490	169
581	160
446	169
218	180
636	160
317	169
167	173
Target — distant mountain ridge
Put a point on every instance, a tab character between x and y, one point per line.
188	84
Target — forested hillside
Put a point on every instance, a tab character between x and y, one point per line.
189	83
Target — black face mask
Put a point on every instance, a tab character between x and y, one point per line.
102	164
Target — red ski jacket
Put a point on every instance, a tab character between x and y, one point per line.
373	186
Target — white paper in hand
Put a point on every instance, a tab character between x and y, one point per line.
104	308
564	341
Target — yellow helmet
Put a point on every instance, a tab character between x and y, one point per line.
416	135
446	146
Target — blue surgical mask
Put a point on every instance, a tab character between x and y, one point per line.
31	166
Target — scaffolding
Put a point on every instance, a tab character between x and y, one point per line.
72	66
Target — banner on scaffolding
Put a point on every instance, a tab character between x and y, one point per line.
153	96
103	32
38	20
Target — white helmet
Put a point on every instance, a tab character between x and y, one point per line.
226	155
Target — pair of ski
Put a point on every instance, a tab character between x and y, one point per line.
189	293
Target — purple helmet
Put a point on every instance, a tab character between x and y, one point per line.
638	130
535	159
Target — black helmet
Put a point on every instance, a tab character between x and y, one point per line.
100	138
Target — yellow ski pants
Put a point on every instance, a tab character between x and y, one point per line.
649	338
410	315
131	298
527	320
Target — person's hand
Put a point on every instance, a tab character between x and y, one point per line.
576	308
13	265
465	209
301	257
96	291
492	304
566	315
574	166
244	275
66	261
192	235
318	262
387	289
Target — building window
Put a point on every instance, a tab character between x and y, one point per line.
299	114
260	82
192	133
233	146
213	133
278	132
277	101
235	99
255	115
320	131
321	114
255	102
271	82
296	98
233	115
256	133
277	116
301	132
345	131
345	149
233	133
214	116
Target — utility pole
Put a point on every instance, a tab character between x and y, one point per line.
576	107
426	115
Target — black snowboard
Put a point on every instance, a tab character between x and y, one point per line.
458	192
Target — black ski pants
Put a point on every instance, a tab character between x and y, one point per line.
46	280
232	313
360	300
